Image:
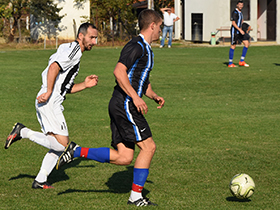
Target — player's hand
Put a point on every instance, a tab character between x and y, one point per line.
91	81
160	101
140	105
43	98
242	32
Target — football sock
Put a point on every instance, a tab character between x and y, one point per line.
101	154
244	52
47	166
231	54
47	141
139	178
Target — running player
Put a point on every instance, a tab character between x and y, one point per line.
237	34
127	108
58	80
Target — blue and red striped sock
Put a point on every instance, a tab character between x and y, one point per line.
101	154
140	176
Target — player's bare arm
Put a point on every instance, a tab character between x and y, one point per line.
152	95
123	81
52	74
89	82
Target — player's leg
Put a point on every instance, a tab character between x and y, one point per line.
50	161
170	32
121	156
164	33
231	54
244	52
232	48
141	172
53	124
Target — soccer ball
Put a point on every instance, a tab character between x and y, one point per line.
242	186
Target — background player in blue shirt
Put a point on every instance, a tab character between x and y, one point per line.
237	34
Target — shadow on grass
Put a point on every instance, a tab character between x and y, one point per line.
277	64
234	199
55	176
119	182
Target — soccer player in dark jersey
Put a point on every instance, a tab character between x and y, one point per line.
58	80
237	34
127	108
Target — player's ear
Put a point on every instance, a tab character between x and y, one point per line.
152	25
80	36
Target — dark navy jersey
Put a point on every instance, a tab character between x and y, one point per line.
236	16
138	57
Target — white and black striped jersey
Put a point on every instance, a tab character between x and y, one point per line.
68	58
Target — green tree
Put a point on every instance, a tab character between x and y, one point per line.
119	13
42	10
45	17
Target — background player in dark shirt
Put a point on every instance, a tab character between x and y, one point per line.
127	108
237	34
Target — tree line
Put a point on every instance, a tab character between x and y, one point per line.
113	18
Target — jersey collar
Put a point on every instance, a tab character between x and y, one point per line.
141	35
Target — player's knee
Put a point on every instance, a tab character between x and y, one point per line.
151	147
125	161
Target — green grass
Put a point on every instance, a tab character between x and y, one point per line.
217	122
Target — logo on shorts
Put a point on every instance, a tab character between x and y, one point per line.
142	130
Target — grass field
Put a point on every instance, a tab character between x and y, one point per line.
217	122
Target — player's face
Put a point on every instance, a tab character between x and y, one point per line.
157	30
90	39
239	6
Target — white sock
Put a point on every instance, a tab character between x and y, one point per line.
47	166
134	196
47	141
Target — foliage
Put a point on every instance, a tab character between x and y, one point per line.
42	10
163	3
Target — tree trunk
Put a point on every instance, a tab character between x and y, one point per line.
19	31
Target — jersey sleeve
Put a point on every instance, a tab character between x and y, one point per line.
130	53
234	16
66	58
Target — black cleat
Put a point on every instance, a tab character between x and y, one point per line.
141	202
67	156
44	185
14	135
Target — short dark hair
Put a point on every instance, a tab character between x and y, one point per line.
146	17
84	27
240	1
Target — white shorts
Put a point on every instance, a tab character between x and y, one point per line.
50	116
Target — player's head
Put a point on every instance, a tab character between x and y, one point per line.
150	19
239	5
148	16
168	10
87	36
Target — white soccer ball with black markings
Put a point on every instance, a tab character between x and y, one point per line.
242	186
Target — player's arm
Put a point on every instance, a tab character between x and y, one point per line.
163	9
152	95
176	19
89	82
123	81
51	77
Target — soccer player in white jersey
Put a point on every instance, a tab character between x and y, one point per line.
58	80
